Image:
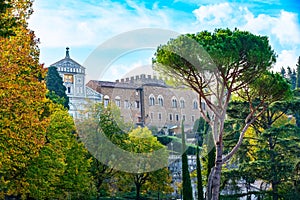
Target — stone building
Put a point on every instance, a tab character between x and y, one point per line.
73	75
149	101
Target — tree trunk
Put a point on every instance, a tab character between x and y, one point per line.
216	173
138	191
274	181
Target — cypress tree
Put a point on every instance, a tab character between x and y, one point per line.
282	72
57	91
199	176
294	79
298	73
186	180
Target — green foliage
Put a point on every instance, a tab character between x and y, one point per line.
105	121
62	168
275	89
217	65
142	141
270	149
8	21
238	55
57	91
298	73
282	72
24	110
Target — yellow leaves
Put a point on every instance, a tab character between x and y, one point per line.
23	121
283	120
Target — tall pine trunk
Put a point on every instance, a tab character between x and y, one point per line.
216	173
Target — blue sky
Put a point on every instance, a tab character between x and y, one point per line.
83	25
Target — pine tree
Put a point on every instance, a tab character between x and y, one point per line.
57	91
187	192
291	77
282	72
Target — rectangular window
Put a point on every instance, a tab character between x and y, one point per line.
177	117
106	102
183	117
170	117
159	116
203	106
126	104
137	104
151	115
193	118
118	102
69	90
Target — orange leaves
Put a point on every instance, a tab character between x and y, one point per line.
23	108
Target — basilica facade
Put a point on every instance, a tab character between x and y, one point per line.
73	75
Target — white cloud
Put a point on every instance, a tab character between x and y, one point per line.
223	15
283	30
284	27
90	24
214	14
119	71
287	58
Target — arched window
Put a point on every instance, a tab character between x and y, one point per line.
160	100
174	102
118	101
182	103
151	100
106	101
195	104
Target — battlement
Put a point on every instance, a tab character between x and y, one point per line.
142	79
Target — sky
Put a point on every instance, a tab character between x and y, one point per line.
87	25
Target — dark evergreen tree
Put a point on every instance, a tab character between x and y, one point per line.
187	192
199	176
199	129
282	72
298	74
291	77
297	111
57	91
294	79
